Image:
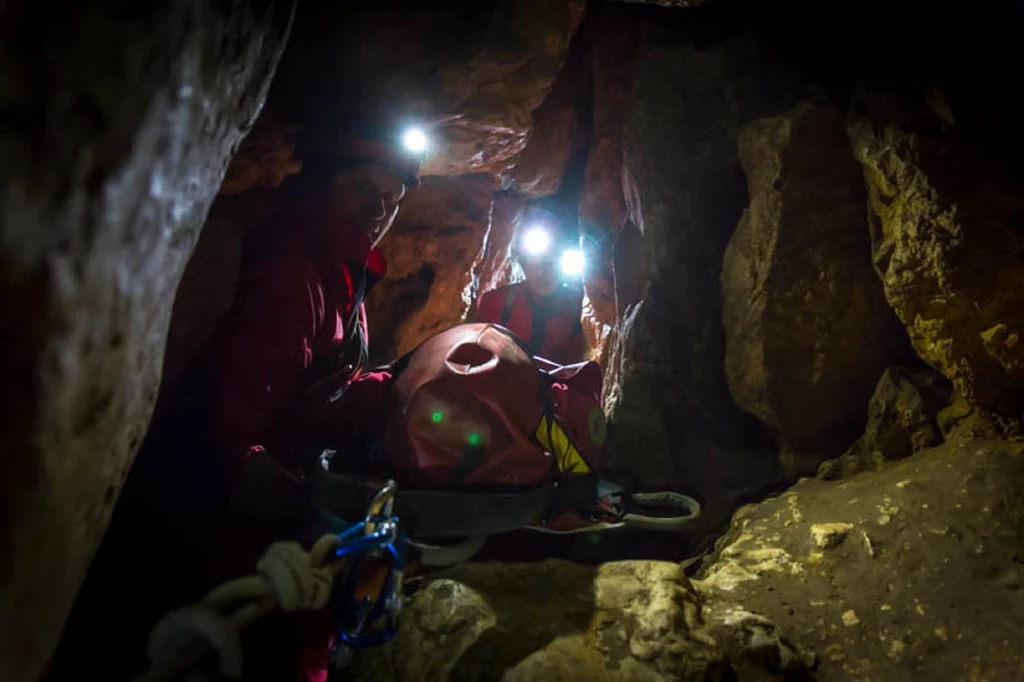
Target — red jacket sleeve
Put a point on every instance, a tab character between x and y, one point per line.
262	349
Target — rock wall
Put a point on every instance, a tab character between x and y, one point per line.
947	242
120	122
808	330
495	265
903	418
474	72
672	419
430	251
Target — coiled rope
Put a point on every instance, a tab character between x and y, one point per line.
287	577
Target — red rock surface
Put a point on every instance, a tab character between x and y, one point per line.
430	251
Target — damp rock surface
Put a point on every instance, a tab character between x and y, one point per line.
947	241
903	417
630	620
808	330
910	572
120	122
430	251
672	419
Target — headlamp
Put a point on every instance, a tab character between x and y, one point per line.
536	241
573	263
415	140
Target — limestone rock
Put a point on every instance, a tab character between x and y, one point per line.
505	70
828	535
947	241
495	265
114	146
631	620
902	419
808	330
205	294
924	576
558	131
264	159
439	231
473	72
609	202
672	419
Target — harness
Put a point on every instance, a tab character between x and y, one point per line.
350	358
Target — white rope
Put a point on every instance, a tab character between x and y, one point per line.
296	584
288	578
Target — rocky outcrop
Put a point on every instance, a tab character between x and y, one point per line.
113	149
672	419
808	330
264	159
912	572
608	203
559	130
903	417
495	265
629	620
430	249
473	72
115	146
947	242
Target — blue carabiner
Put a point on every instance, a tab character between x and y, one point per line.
386	539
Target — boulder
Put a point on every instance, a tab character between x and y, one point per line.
629	620
902	419
114	147
948	244
439	231
911	572
808	330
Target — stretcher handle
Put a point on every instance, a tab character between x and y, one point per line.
635	517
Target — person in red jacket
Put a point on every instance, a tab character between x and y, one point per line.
545	310
294	337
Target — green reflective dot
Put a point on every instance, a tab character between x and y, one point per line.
474	439
437	416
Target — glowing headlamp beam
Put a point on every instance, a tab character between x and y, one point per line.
536	241
415	140
573	262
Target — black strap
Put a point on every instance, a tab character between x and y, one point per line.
540	312
448	514
506	309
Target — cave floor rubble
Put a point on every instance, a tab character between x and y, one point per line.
914	572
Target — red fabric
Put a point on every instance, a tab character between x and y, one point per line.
464	410
295	296
563	341
576	398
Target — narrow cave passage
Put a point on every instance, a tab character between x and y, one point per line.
771	256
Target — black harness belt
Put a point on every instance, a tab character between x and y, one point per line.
451	514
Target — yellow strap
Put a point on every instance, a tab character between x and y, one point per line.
553	439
